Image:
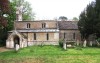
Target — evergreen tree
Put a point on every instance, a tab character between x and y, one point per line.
86	21
89	20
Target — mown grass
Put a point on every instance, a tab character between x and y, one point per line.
51	54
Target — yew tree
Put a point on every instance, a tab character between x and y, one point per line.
89	20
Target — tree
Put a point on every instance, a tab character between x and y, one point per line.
63	18
27	12
26	9
97	18
75	19
89	21
86	21
81	24
4	11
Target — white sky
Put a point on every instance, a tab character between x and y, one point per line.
50	9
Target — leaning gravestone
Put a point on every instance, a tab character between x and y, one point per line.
17	47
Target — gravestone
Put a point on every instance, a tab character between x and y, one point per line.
91	43
64	46
17	47
77	43
84	44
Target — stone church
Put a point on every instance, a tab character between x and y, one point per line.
41	32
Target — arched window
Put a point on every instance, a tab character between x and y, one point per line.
43	25
28	25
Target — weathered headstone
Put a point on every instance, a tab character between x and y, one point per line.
77	43
64	46
84	44
17	47
69	45
90	43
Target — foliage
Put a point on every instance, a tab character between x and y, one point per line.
8	16
75	19
89	20
4	12
63	18
26	9
98	40
51	54
61	42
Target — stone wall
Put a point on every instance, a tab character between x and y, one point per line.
69	34
53	38
35	24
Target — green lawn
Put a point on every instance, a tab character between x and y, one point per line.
51	54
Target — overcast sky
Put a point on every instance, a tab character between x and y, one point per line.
50	9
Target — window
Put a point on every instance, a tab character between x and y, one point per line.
73	35
57	25
34	36
28	25
47	36
64	35
43	25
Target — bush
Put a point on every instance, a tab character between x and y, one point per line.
98	40
61	42
2	43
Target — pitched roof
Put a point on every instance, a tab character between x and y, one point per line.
65	25
14	32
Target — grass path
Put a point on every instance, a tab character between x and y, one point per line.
51	54
2	49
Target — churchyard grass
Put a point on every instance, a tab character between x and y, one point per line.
51	54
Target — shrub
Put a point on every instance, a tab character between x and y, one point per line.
2	43
98	40
61	42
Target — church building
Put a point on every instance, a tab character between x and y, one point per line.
41	32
